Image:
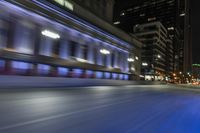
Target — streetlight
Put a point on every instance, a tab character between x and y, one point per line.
50	34
181	76
133	69
122	14
116	23
159	56
130	60
144	64
130	65
104	51
182	14
170	28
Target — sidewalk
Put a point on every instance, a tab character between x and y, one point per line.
190	86
44	82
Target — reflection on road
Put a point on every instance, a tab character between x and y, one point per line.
124	109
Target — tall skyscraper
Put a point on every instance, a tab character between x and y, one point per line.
187	38
173	14
157	54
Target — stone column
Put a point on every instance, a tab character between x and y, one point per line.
116	58
23	38
56	55
10	42
108	59
37	36
120	60
126	62
99	57
64	49
64	53
91	54
3	40
78	51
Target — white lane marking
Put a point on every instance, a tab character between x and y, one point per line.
58	116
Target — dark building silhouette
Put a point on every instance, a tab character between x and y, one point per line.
101	8
157	51
173	14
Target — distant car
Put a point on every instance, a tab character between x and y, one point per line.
195	83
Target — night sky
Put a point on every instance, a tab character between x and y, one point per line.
195	22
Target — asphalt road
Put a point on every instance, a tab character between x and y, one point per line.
124	109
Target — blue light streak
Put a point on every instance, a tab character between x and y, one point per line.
62	71
59	24
126	77
107	75
89	72
2	63
43	69
99	75
82	22
21	65
114	75
121	76
78	72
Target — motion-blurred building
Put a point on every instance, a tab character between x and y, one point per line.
157	50
173	14
60	38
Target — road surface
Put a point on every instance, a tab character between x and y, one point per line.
122	109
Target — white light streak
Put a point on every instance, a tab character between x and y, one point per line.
50	34
104	51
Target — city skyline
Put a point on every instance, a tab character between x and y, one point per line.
173	14
78	66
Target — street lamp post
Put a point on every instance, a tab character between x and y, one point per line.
157	57
130	65
144	64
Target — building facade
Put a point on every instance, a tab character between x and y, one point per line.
173	14
101	8
46	39
157	51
